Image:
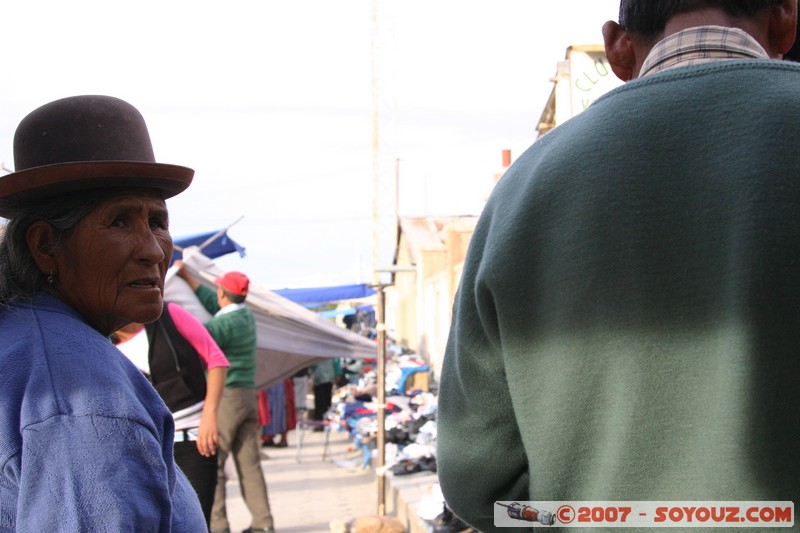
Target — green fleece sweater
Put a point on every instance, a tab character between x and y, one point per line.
628	322
235	334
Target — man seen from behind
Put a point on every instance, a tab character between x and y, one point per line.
627	326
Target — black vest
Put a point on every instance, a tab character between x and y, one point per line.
176	370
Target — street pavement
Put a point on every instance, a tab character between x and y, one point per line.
307	493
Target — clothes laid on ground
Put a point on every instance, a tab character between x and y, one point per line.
82	430
410	434
626	326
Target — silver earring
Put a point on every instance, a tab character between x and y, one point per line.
51	278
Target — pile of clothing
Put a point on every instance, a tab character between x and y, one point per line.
410	414
409	431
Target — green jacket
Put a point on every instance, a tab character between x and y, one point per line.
628	321
235	333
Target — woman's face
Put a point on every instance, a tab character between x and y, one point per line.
111	270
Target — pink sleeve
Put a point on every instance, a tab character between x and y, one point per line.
198	336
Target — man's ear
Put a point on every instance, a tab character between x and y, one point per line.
782	26
619	51
41	238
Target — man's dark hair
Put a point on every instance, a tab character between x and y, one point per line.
649	17
235	298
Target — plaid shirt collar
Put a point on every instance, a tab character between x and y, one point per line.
703	44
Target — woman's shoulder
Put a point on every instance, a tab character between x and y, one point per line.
56	366
29	325
25	314
52	350
46	325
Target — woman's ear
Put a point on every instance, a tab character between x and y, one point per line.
41	238
619	51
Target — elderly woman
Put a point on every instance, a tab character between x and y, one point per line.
85	441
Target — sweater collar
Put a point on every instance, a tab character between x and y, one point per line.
229	309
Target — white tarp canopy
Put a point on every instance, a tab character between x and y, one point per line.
290	337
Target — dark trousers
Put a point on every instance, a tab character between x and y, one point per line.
201	473
322	399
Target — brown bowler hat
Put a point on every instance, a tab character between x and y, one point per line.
85	142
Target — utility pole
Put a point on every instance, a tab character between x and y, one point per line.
376	176
382	193
381	415
380	326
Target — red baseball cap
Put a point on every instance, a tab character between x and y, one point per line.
234	282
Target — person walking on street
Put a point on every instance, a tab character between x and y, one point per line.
233	327
324	375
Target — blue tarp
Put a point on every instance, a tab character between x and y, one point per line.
308	297
220	246
319	295
332	313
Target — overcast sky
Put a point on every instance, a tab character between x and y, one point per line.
271	103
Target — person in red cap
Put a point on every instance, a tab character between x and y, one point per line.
233	327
